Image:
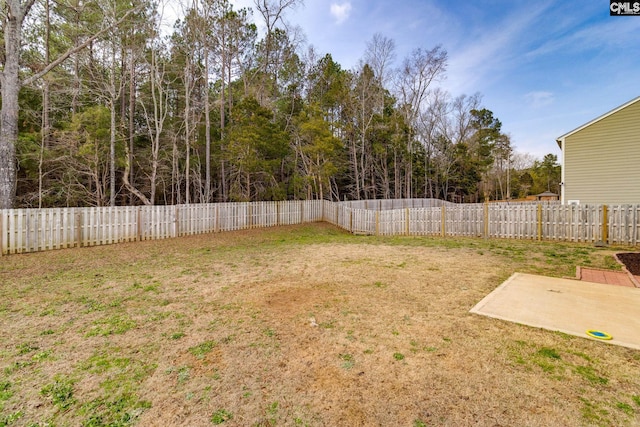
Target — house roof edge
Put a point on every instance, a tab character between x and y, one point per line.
597	119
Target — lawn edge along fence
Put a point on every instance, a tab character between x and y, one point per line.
31	230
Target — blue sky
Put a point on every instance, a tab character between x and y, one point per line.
543	67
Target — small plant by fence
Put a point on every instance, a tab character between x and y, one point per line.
30	230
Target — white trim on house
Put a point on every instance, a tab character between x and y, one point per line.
562	171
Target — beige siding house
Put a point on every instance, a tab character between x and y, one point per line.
601	159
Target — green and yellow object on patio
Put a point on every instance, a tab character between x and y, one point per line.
598	334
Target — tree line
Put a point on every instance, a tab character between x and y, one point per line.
103	106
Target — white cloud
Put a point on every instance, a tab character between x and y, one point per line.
491	52
539	99
596	37
341	11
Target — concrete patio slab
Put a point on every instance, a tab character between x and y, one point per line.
568	306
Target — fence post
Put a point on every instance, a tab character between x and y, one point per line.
176	221
486	219
216	226
2	233
539	221
407	221
78	216
301	211
605	223
377	223
139	224
443	221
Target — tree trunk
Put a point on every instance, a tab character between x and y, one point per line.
223	172
10	82
397	184
160	108
207	129
125	180
356	174
176	193
46	126
132	111
43	141
112	154
112	129
187	129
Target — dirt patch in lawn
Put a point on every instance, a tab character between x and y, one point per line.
631	261
295	326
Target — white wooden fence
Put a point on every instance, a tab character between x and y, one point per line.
529	220
30	230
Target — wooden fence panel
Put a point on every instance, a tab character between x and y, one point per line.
92	228
103	225
353	204
158	222
425	221
233	216
363	221
624	224
4	232
29	230
335	214
289	212
345	217
312	210
553	223
26	230
464	220
390	204
398	203
15	231
17	227
196	218
126	223
513	221
326	208
48	220
589	224
329	211
306	211
392	222
186	219
51	229
263	214
573	223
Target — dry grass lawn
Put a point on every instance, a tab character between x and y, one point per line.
297	326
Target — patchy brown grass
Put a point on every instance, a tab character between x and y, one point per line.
300	325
